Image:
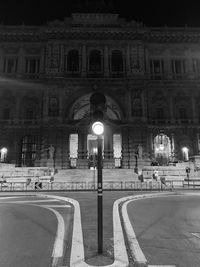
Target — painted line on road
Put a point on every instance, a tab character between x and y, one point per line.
35	201
77	258
161	265
56	206
58	247
196	235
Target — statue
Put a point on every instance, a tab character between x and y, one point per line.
51	151
139	151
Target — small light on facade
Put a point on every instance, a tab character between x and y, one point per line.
185	149
4	150
98	128
95	150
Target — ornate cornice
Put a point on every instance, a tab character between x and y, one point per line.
101	27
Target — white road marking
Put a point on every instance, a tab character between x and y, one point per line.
136	251
56	206
77	258
59	241
35	201
196	235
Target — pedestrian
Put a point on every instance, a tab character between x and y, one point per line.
155	175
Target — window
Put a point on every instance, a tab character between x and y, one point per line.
178	67
32	65
95	61
28	154
53	107
3	154
10	65
116	61
117	147
157	68
73	149
72	61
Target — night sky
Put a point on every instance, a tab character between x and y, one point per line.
151	13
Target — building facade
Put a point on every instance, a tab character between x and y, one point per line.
150	78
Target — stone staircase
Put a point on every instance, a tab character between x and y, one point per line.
87	175
176	172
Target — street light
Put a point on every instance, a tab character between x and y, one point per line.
98	130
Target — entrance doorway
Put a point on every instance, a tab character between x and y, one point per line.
92	150
162	149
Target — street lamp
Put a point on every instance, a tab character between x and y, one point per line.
98	130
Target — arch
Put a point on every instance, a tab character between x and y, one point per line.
81	108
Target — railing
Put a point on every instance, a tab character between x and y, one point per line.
81	186
49	185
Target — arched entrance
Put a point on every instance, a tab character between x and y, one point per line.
162	149
87	144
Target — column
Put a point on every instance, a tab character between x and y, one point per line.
151	146
84	61
21	61
198	144
1	60
144	116
42	61
171	109
82	161
61	69
194	114
128	60
172	146
45	104
17	110
108	162
106	61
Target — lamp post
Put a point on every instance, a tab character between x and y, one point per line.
98	130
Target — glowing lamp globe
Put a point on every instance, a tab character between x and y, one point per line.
98	128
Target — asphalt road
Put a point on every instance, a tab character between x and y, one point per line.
28	232
168	229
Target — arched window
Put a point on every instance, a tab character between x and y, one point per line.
28	153
116	61
73	61
95	61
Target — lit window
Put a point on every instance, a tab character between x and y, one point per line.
3	153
